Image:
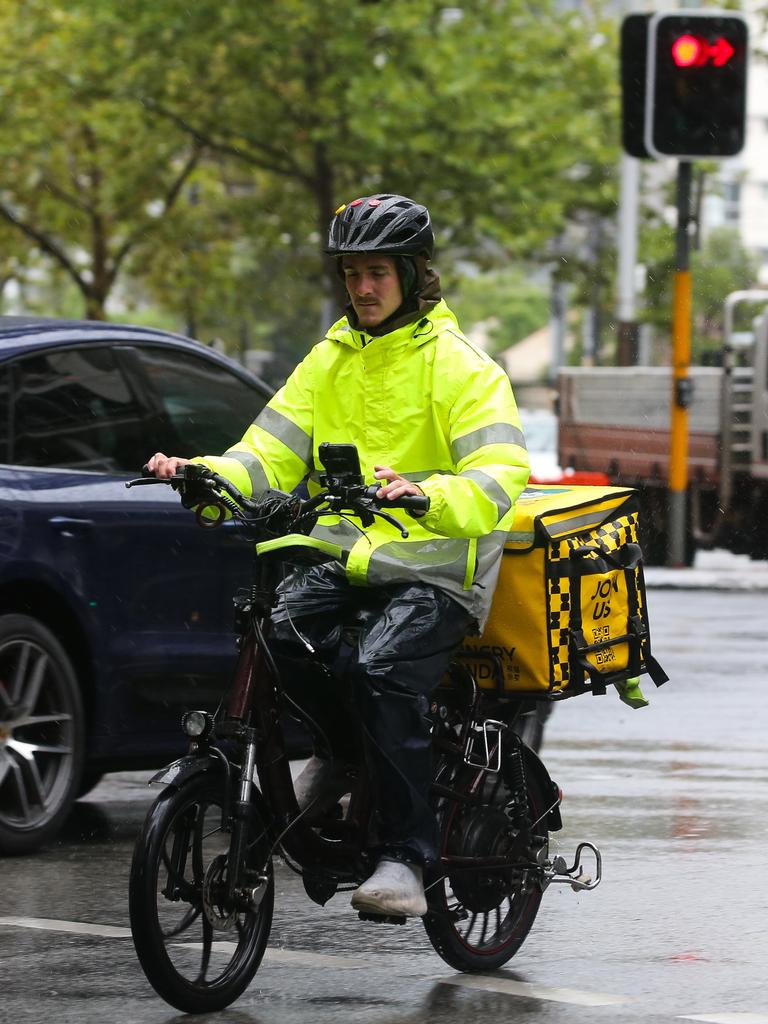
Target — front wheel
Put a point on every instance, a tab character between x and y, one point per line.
479	916
198	947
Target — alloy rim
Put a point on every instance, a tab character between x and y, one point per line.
36	735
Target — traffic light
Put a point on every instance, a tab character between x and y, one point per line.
634	72
695	96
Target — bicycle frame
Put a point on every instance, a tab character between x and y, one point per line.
252	722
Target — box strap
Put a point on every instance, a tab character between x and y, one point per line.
628	558
652	667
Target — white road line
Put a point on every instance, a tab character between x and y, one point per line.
288	956
301	958
728	1018
524	988
285	956
49	925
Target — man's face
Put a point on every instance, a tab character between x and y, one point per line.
373	286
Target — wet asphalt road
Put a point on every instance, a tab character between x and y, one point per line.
675	795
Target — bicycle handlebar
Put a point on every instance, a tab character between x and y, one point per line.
199	486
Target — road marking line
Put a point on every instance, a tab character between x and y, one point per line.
287	956
524	988
728	1018
48	924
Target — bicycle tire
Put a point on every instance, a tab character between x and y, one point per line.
178	906
466	922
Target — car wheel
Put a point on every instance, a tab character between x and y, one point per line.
41	734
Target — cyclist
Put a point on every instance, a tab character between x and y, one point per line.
430	414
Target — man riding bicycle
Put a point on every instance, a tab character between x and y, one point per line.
429	414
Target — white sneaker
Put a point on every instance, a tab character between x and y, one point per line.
395	889
320	785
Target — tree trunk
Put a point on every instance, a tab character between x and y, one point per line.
325	203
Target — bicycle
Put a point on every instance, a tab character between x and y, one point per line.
201	891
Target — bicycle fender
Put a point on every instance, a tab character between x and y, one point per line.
535	768
177	773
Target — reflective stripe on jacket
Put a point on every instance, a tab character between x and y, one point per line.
424	401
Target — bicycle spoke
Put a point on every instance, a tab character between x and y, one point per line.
189	919
198	863
207	946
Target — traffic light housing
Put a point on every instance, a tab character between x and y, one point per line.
684	81
634	74
696	85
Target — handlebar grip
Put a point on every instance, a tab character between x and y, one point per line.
416	505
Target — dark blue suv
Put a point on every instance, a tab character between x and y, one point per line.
115	607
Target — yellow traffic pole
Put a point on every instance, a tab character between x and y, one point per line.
681	385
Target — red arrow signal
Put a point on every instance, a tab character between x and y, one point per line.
692	51
721	52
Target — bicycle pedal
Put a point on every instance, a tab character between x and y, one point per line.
381	918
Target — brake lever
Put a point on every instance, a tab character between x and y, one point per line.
141	481
391	520
364	509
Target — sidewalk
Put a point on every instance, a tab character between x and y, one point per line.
712	570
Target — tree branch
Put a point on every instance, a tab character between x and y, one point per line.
171	195
64	196
47	245
275	163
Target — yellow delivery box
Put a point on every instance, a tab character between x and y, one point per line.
569	613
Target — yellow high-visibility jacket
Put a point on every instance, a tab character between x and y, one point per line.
424	401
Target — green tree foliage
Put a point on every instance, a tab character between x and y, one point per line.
722	265
512	306
498	114
86	175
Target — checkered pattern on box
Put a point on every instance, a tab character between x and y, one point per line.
609	537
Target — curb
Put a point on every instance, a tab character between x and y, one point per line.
682	579
714	569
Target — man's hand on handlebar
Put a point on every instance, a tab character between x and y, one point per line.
396	486
165	466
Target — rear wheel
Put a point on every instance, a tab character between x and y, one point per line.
198	947
41	734
480	916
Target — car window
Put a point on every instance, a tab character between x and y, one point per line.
208	406
73	409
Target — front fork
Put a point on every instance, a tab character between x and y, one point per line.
244	885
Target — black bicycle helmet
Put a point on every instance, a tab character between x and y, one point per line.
384	223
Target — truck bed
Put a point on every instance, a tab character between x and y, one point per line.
616	419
